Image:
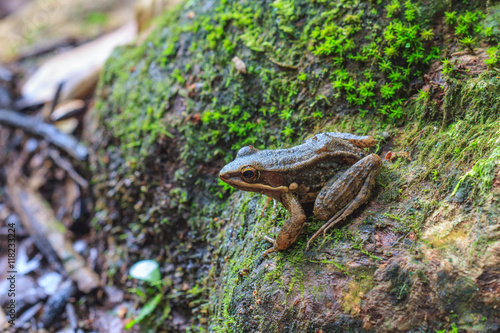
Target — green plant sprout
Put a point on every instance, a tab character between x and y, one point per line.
427	34
493	53
450	18
447	66
468	42
147	270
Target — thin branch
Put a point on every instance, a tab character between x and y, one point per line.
35	126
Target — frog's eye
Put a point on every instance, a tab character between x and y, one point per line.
250	174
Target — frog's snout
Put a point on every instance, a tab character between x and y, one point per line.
224	174
228	176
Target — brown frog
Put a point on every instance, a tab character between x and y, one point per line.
330	169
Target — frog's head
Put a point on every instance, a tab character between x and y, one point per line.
247	173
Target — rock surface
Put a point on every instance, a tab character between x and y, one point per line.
421	256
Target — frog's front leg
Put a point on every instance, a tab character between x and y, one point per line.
292	227
351	190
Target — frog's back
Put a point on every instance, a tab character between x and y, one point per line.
321	151
321	148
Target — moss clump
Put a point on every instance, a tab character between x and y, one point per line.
401	283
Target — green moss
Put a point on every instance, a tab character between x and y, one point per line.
474	106
401	283
482	173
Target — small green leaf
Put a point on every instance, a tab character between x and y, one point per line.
147	309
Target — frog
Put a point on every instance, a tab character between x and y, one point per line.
331	169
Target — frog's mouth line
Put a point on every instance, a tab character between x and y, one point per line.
251	187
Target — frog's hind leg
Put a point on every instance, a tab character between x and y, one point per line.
358	200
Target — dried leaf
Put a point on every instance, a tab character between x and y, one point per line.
77	69
67	126
67	109
46	24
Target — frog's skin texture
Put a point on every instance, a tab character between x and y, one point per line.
330	169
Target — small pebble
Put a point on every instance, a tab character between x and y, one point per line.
240	65
385	135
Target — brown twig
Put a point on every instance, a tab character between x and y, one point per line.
66	166
56	303
35	126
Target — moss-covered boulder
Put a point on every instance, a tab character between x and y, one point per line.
421	256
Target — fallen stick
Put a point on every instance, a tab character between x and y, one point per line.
39	220
35	126
28	314
56	303
66	166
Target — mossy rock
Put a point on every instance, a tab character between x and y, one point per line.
421	256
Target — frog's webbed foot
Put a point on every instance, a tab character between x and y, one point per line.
272	241
273	249
343	213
